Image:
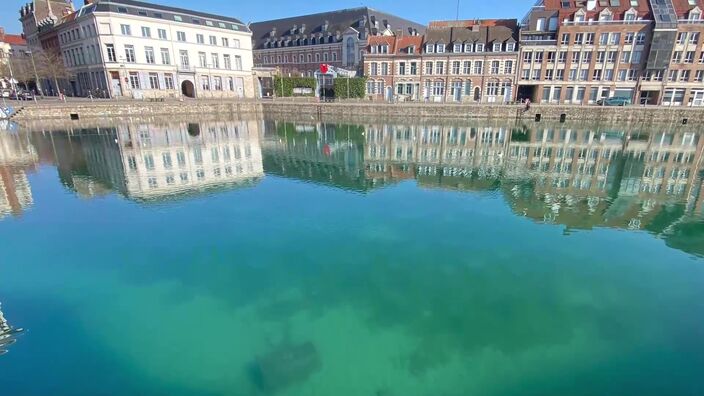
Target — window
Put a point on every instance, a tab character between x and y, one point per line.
429	48
414	68
205	83
162	34
225	42
579	38
149	54
428	67
589	39
202	60
217	83
562	57
527	57
111	52
565	39
213	40
200	39
629	38
603	38
478	67
495	67
215	58
146	31
479	47
183	54
439	67
402	68
384	69
689	57
180	36
640	38
510	47
467	67
457	47
615	38
227	62
165	57
134	80
129	54
126	30
153	81
440	49
694	38
235	43
497	47
169	81
374	69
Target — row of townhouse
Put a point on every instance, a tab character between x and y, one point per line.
136	49
566	52
460	61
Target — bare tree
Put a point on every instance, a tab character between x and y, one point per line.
22	69
51	66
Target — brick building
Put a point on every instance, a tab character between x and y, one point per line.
298	45
455	61
579	51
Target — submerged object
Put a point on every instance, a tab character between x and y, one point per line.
8	333
285	366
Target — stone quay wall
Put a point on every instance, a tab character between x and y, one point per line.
355	110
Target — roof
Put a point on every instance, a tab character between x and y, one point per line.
13	39
404	42
388	40
363	19
643	9
481	34
133	7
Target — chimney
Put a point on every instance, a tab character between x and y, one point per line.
399	32
338	35
326	25
362	22
273	32
303	28
293	29
386	24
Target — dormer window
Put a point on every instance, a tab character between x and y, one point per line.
497	47
695	14
468	47
384	49
440	49
579	15
429	48
631	15
510	47
479	47
457	48
411	49
606	15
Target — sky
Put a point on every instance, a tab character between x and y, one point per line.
253	11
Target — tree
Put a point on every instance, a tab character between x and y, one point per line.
17	67
51	66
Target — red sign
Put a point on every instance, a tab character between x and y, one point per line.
324	68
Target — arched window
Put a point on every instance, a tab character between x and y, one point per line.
350	51
309	58
300	58
325	57
334	56
477	94
329	39
314	41
317	58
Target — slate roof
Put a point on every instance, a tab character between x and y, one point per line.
477	34
133	7
375	22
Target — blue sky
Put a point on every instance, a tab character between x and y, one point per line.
252	11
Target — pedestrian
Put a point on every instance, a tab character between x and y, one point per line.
527	105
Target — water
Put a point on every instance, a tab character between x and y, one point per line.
266	257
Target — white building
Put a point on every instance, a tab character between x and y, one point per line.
134	49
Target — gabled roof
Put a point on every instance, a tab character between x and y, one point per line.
380	40
643	9
480	34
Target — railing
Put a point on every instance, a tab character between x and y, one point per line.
690	21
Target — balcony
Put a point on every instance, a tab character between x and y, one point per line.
186	69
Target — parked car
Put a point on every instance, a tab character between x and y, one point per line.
22	95
614	101
5	93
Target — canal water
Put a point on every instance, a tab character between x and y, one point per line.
279	257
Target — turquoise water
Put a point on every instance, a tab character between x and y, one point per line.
264	257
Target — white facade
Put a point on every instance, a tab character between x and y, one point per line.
144	52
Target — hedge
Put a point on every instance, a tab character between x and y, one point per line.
357	87
289	83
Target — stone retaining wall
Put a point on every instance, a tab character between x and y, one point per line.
404	111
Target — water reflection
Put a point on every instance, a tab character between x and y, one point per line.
8	333
17	157
577	176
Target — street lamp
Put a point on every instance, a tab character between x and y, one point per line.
36	75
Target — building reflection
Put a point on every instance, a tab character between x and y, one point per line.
156	162
8	333
577	176
17	157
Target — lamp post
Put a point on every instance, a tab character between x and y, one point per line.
36	75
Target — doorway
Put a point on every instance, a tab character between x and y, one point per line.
187	89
